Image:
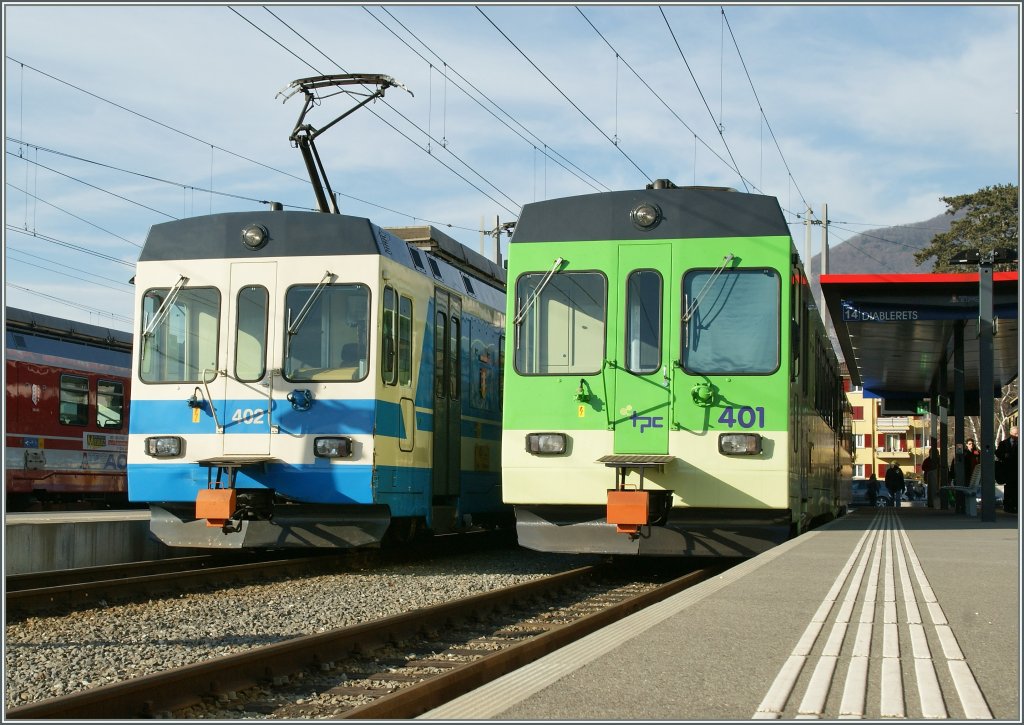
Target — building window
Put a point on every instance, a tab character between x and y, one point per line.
858	470
858	412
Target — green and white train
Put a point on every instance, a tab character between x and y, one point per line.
673	391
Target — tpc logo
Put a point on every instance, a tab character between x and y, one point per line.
646	421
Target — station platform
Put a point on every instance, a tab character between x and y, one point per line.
895	613
50	541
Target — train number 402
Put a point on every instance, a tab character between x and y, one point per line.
248	415
745	417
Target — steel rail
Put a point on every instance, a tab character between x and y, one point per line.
152	695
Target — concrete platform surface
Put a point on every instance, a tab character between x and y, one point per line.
909	613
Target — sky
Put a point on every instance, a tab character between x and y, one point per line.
119	117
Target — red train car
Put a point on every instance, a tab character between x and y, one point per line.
67	393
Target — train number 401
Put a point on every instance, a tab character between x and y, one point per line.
745	417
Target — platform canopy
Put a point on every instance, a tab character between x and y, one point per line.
896	330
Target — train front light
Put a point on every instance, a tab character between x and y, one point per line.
340	447
739	444
546	444
163	446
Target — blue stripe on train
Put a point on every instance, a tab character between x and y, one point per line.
405	490
248	417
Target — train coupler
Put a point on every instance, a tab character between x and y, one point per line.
216	505
628	510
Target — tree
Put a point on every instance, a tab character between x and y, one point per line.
987	221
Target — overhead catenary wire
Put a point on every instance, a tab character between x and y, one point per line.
570	167
566	97
760	109
721	131
72	303
230	152
397	112
696	136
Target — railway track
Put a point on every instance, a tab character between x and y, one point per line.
395	667
53	591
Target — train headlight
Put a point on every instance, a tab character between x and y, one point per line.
339	447
645	216
163	446
546	444
255	236
739	444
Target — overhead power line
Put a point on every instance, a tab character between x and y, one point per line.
589	180
760	109
69	245
381	118
228	151
76	305
721	131
562	93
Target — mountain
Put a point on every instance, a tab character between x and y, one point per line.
889	249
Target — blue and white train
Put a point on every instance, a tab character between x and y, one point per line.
313	380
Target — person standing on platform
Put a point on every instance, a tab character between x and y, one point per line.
1007	461
972	457
895	483
873	491
928	468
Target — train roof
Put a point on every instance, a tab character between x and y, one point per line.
302	233
36	324
685	213
45	340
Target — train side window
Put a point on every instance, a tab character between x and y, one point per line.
735	325
109	404
455	358
251	334
388	369
440	336
560	323
404	341
643	321
74	400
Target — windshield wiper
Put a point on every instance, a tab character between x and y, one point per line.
536	293
165	307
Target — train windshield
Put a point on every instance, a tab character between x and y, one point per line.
181	347
563	330
331	339
735	324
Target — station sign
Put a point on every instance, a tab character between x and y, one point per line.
857	311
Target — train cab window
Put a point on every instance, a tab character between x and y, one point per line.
179	335
327	332
643	321
109	404
388	331
251	334
560	323
74	400
734	326
404	341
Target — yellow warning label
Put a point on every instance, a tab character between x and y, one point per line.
581	409
195	415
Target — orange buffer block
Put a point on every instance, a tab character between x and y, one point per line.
215	505
628	510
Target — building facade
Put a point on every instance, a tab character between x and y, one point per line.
880	440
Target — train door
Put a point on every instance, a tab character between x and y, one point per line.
248	385
643	374
447	450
